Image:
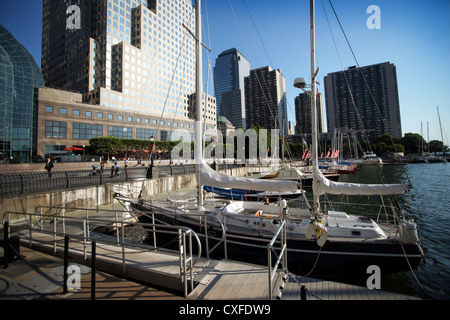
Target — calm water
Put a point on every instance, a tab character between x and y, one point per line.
429	204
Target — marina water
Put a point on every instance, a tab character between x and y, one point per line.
428	203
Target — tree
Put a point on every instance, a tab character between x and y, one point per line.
106	145
412	142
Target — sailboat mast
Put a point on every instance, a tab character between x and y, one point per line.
315	161
442	136
198	99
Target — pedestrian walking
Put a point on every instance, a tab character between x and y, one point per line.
49	166
102	167
116	170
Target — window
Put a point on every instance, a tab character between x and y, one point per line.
76	112
62	110
100	115
89	114
130	119
110	116
145	134
48	109
87	131
55	129
120	132
120	118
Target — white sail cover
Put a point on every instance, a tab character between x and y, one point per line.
322	185
210	177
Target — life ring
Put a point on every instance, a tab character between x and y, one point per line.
320	231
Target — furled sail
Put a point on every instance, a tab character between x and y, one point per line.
322	185
210	177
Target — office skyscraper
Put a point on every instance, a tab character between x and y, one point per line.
265	99
303	113
382	81
229	72
131	55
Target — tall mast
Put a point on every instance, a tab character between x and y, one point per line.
198	99
315	162
440	127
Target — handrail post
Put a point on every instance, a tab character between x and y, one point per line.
269	266
31	234
84	239
206	237
54	235
123	249
66	262
6	243
93	271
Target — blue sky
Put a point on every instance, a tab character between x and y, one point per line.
414	35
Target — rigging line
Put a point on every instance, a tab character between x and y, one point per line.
271	63
345	75
370	91
256	73
185	47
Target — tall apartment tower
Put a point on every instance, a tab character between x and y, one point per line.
229	72
265	99
382	81
303	113
131	55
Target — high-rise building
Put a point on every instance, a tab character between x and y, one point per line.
303	113
265	99
229	72
351	105
20	78
130	55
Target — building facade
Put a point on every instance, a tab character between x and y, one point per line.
64	121
229	72
351	105
303	114
265	99
133	57
20	77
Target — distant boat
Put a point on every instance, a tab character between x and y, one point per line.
371	158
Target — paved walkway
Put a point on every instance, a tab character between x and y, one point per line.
38	276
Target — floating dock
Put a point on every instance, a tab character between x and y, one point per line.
208	279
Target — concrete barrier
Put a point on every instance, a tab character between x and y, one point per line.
93	196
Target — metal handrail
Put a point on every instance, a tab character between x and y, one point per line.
186	262
163	211
282	256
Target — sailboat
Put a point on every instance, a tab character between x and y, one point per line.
320	242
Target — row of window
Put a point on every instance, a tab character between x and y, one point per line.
110	116
58	130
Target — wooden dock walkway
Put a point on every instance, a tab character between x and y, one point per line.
213	279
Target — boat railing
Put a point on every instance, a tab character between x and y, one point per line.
382	213
203	222
282	256
81	229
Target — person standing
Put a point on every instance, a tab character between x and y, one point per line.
49	166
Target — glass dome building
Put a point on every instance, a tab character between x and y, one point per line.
20	77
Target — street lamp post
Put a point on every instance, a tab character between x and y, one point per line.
150	169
